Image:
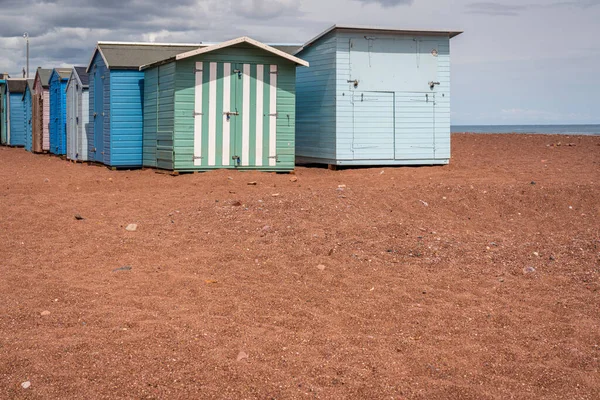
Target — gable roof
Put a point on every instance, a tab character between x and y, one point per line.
82	76
16	85
372	29
123	55
44	76
243	39
28	86
63	73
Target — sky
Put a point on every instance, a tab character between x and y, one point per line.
518	62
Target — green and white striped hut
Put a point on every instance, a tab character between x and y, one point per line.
228	105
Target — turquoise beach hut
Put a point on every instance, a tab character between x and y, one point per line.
58	110
16	112
27	117
374	96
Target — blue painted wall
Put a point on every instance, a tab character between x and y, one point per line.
58	114
17	120
27	119
392	116
125	137
115	135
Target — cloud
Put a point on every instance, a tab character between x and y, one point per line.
265	9
387	3
511	10
489	8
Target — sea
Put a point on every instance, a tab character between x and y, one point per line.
588	130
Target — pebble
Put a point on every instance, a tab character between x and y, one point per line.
44	313
242	355
46	180
252	183
321	267
341	186
528	270
131	228
26	385
125	268
424	203
294	179
535	253
275	195
78	217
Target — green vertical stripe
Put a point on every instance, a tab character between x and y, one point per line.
236	101
266	111
252	130
205	98
219	117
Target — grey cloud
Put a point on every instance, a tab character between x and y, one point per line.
499	9
489	8
388	3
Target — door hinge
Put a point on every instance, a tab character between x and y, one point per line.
274	115
275	157
274	72
198	70
198	158
194	113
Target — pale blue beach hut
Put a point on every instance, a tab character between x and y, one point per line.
374	96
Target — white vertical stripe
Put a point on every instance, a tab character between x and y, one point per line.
260	76
246	117
198	116
212	115
226	108
273	117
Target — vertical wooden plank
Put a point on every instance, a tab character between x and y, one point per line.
226	108
212	114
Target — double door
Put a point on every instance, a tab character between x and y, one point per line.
235	115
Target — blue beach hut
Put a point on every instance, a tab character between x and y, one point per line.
27	117
374	96
116	99
16	113
58	110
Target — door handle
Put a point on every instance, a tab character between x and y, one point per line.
432	84
355	82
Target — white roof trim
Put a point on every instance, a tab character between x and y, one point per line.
97	49
382	29
77	78
239	40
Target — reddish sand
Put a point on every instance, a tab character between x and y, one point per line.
461	282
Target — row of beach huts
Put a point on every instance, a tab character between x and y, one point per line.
350	96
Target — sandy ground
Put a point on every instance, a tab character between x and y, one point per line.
478	280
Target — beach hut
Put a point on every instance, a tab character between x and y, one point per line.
227	105
375	96
27	99
3	109
115	97
58	110
78	114
16	112
40	129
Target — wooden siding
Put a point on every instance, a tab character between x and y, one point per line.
27	119
159	116
77	120
183	137
99	119
3	114
17	120
392	72
46	120
124	138
316	101
58	115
